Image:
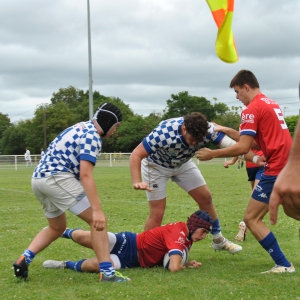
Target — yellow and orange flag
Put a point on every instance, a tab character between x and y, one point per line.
222	11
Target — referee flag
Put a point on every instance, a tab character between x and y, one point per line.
222	11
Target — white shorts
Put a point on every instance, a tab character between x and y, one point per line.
187	176
112	241
60	192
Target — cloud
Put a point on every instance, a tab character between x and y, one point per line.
143	51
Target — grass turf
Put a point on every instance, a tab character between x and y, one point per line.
222	275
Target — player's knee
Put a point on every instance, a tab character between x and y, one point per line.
157	218
57	230
249	221
205	200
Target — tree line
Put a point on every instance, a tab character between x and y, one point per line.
71	105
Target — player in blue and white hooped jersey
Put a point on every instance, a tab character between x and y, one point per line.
63	180
166	154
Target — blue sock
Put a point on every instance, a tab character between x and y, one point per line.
107	268
75	265
68	233
269	243
29	255
216	228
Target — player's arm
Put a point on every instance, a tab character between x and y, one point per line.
89	186
135	167
230	162
255	146
231	148
234	134
242	147
175	263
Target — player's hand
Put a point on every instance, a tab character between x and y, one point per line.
219	127
193	264
99	220
142	186
261	161
204	154
226	164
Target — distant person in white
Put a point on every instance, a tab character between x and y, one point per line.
27	157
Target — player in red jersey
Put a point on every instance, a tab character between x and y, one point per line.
262	127
146	249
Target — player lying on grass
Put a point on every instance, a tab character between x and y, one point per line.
146	249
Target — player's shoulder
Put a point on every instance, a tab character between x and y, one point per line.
172	121
167	126
176	226
263	100
83	128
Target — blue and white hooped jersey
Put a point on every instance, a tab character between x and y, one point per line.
78	142
167	147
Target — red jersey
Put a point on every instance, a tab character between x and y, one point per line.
263	119
250	164
155	243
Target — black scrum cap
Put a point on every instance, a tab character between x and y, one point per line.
107	115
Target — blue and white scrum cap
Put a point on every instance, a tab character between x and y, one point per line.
107	115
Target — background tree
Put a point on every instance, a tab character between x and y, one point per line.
50	119
15	138
70	96
231	118
291	123
77	102
4	125
71	105
220	108
133	130
183	104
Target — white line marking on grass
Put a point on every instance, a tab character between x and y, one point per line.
16	191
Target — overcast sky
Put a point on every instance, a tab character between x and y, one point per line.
143	51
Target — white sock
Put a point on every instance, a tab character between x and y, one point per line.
218	237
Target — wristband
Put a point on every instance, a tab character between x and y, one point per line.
255	158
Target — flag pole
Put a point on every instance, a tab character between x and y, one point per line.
91	108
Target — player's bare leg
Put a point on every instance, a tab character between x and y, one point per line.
156	213
203	197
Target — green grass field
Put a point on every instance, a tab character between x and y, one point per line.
222	275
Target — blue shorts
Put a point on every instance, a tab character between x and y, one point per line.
255	173
264	188
126	249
